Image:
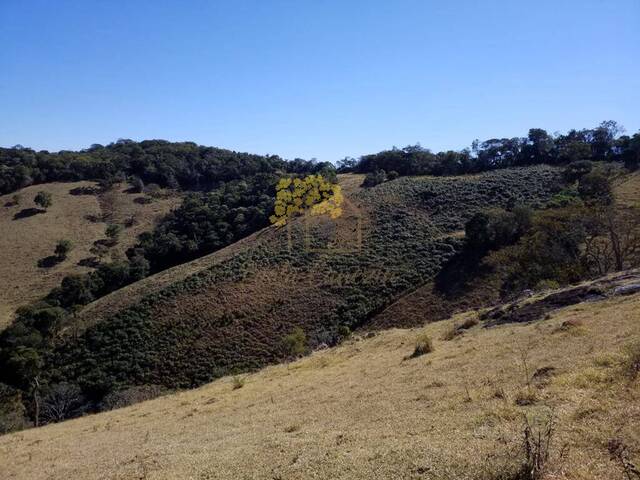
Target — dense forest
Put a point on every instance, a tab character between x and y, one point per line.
185	165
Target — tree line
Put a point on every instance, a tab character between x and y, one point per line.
176	165
603	143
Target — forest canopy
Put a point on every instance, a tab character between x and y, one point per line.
603	143
184	165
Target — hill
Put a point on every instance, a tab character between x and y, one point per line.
367	410
80	212
229	313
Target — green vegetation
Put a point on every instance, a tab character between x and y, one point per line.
599	144
112	232
374	178
43	199
295	344
157	342
183	165
536	224
63	247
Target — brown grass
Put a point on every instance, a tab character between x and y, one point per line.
24	241
628	190
360	412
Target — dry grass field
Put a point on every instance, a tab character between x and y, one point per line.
31	236
365	411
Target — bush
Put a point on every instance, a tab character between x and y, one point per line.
237	382
295	344
374	178
112	231
63	247
43	199
423	346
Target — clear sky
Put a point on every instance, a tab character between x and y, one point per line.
313	78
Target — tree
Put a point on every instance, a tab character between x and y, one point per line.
43	199
539	146
595	187
631	152
63	401
613	239
75	290
602	139
551	250
63	247
113	231
493	229
576	170
347	164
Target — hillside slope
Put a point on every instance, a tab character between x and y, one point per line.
131	294
232	310
29	235
363	410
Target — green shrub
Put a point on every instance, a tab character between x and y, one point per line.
43	199
374	178
63	247
295	344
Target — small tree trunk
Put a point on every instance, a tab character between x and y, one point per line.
36	400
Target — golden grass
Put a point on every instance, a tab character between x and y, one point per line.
360	412
26	240
628	190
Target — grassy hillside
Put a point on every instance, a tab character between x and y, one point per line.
366	410
29	235
235	315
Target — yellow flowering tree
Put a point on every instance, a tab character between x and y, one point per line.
310	194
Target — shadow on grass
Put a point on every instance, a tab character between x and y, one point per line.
49	262
27	212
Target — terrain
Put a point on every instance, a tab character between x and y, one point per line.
29	234
512	271
366	409
231	311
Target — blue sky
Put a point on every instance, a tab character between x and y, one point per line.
313	78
